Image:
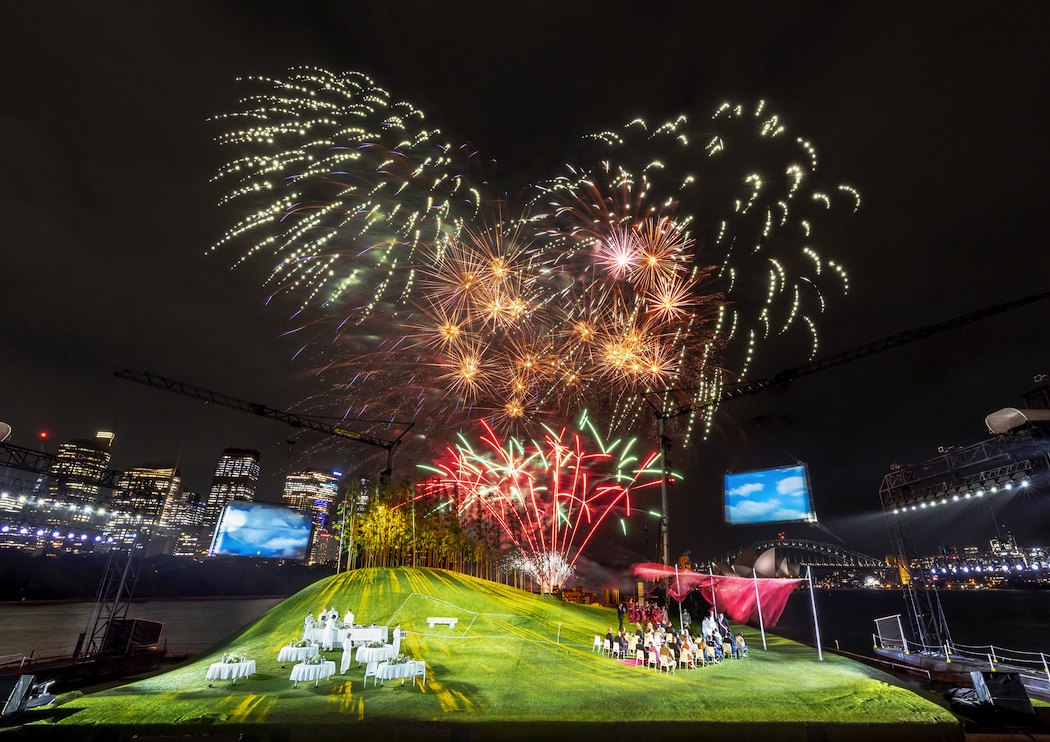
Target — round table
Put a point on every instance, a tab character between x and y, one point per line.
379	654
297	654
410	669
228	670
312	672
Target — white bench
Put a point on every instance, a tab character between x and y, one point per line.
450	622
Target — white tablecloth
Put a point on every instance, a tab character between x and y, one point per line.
231	670
409	669
367	634
366	655
317	635
296	654
313	672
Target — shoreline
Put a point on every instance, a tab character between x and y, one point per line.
69	601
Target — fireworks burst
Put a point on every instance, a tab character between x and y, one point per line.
758	225
442	302
548	568
547	497
347	186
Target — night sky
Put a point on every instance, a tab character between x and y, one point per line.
935	112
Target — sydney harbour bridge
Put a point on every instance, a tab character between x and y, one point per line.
806	553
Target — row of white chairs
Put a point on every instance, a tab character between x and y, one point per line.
662	660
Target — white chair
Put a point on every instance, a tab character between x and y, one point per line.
370	672
639	654
654	659
667	662
597	642
420	672
607	647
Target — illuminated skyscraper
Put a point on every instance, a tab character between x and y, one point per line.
182	510
235	478
315	492
148	489
81	458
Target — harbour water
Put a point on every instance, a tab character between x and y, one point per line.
51	629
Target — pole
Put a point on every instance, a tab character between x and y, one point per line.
714	595
681	622
342	537
758	602
665	444
813	602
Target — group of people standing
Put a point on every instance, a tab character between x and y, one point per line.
327	619
644	612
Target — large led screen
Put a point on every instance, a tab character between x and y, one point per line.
255	529
768	496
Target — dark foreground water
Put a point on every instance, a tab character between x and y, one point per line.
51	630
1016	619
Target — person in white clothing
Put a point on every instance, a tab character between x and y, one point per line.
348	619
308	624
329	634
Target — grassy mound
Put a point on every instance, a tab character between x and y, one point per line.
513	657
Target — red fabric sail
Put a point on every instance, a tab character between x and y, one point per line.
739	597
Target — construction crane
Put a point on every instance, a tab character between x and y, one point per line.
787	375
253	408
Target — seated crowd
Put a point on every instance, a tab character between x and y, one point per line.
661	645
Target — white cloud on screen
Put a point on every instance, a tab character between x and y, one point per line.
750	510
745	489
792	486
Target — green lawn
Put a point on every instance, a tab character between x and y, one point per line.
513	657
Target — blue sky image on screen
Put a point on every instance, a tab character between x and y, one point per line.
768	496
256	529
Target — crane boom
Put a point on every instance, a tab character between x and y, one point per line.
289	418
862	351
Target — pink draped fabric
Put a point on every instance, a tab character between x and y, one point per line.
735	595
